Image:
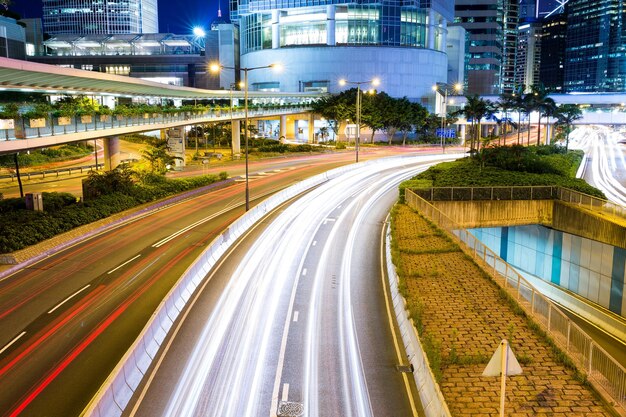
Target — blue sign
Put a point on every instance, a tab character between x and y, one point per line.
446	133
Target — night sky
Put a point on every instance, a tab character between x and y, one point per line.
174	16
180	17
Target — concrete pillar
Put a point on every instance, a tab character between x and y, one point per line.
463	132
236	136
291	127
444	36
282	133
311	130
275	29
330	25
430	37
111	152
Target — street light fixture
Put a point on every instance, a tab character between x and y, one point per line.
217	67
436	88
374	82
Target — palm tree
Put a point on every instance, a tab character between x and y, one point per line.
519	105
475	109
566	115
544	105
505	103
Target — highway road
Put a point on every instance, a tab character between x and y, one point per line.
67	320
606	160
295	315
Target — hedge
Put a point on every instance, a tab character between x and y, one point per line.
20	228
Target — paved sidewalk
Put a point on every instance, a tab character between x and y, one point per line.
465	312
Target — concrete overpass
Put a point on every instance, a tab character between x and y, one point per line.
23	76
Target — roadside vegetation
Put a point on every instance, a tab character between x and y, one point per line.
514	165
461	315
106	193
45	156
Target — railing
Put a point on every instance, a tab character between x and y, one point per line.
52	172
600	367
521	193
77	124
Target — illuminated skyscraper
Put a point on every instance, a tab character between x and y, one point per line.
321	41
492	29
595	56
103	17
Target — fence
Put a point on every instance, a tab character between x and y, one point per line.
76	124
521	193
53	172
602	370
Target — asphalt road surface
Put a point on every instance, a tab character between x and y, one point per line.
67	320
295	315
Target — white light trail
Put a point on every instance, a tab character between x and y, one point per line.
239	349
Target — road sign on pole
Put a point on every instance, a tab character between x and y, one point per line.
503	362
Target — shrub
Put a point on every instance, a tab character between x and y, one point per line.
20	228
467	172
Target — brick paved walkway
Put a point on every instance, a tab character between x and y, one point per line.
467	313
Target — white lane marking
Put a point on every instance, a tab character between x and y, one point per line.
329	219
304	272
69	298
285	392
295	316
314	243
15	339
191	226
125	263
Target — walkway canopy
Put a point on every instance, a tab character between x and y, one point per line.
17	75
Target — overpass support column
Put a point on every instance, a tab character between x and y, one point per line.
236	136
311	128
111	152
463	130
282	132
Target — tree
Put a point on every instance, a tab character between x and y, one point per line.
159	157
475	109
566	115
394	114
544	106
506	103
333	108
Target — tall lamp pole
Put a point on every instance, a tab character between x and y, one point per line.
216	67
444	110
374	82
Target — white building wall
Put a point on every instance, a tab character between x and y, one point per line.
409	72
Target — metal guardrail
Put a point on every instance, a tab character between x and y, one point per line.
601	368
78	124
521	193
49	172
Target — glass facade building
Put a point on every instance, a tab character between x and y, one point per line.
553	41
338	39
595	56
492	29
104	17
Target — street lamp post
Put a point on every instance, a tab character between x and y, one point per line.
457	88
216	68
374	82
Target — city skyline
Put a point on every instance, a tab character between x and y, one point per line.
172	18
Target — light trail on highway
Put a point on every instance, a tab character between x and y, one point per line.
291	325
606	160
